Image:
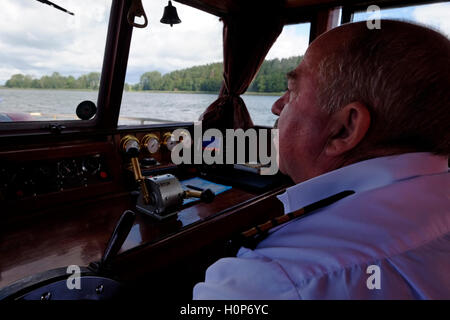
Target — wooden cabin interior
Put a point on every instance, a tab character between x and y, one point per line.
53	215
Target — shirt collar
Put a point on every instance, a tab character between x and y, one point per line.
363	176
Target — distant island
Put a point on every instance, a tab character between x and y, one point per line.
206	78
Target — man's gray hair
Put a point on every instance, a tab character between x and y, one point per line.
401	72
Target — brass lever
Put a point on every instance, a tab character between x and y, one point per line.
130	146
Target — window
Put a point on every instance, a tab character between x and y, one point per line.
50	61
271	81
434	15
175	73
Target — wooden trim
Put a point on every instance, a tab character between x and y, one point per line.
324	20
33	205
149	257
114	65
201	5
347	14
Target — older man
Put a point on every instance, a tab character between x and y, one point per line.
367	111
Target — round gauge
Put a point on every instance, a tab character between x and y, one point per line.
67	168
185	138
151	142
130	145
92	165
169	141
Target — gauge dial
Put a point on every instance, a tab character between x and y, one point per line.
130	145
67	168
91	165
185	138
169	141
151	142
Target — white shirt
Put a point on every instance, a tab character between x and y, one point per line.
389	240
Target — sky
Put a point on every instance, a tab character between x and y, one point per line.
38	40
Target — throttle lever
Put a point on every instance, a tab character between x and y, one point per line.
116	240
131	147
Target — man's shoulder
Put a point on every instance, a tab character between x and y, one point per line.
399	228
366	227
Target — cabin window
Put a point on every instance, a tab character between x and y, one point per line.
270	82
434	15
50	60
175	73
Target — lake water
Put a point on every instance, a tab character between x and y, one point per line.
166	106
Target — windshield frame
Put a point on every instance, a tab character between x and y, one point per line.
112	81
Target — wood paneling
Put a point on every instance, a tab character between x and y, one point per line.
78	235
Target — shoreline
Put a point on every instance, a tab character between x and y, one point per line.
148	91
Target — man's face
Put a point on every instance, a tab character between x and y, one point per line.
301	123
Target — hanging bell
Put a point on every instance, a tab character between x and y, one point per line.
170	15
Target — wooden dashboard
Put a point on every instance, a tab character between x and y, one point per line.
60	204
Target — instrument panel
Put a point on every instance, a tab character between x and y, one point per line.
43	176
35	178
155	147
61	198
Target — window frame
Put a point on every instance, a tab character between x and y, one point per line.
112	81
348	11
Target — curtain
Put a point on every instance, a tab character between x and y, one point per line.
246	42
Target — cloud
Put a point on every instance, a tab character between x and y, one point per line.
197	40
434	15
293	41
37	39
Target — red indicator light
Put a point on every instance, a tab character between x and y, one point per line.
103	175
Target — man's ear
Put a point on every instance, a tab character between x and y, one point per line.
348	127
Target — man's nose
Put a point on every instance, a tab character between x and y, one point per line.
278	106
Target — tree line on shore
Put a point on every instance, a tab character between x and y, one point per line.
206	78
55	81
